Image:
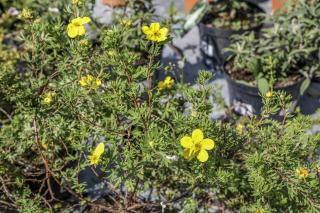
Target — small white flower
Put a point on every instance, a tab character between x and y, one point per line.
172	157
53	10
295	26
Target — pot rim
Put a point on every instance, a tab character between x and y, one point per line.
243	83
107	2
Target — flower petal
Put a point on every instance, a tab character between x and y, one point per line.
99	150
72	31
76	21
146	30
203	156
187	154
207	144
163	34
98	82
161	85
197	135
81	31
155	27
164	31
85	20
94	159
186	142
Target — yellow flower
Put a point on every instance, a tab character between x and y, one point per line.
166	84
155	32
126	22
84	42
90	82
269	94
302	172
76	27
196	145
112	52
260	211
26	14
48	98
37	20
194	113
96	154
76	2
240	129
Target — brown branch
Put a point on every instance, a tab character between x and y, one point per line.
6	114
6	190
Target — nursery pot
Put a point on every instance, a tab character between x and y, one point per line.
250	95
188	4
214	40
314	89
114	3
277	4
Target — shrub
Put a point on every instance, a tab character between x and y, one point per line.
82	106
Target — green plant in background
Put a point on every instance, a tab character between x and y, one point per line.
285	53
82	104
235	15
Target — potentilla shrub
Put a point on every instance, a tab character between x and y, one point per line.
97	105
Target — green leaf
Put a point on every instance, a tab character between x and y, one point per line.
263	85
197	13
255	66
305	85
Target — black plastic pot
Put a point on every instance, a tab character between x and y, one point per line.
250	95
214	40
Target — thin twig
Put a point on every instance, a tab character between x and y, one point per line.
6	190
6	114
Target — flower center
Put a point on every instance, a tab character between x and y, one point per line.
77	24
156	34
198	146
95	158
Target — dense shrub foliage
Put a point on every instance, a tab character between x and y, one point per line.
70	105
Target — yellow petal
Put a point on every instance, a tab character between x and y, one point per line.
72	31
164	31
94	159
98	82
89	79
168	80
154	27
207	144
99	150
161	85
186	142
197	135
187	154
83	81
163	34
81	30
146	30
85	20
203	156
76	21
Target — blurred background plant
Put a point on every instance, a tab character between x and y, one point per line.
235	15
285	53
